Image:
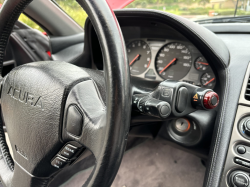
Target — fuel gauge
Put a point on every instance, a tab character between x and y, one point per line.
208	80
201	64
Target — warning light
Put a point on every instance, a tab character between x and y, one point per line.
195	96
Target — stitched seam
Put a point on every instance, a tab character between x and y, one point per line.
218	136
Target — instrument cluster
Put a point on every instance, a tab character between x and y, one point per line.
159	60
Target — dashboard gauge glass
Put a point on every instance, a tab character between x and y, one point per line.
173	61
208	80
201	64
139	55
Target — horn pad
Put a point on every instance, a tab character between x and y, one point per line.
33	98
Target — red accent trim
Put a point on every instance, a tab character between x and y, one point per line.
49	53
45	33
118	4
207	100
149	63
187	129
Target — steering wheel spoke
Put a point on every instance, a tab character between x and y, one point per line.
85	117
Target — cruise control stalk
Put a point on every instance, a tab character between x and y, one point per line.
175	98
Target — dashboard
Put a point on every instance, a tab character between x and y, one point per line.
157	52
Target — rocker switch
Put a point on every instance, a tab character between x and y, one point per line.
59	162
69	151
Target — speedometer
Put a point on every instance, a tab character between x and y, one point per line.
173	61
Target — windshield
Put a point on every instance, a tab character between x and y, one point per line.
197	9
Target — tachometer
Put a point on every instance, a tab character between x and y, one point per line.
139	55
173	61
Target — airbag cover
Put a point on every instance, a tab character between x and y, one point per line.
33	98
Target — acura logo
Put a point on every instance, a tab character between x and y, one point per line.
25	97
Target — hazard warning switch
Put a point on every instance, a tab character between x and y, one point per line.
205	99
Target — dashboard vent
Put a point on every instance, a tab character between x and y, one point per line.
247	94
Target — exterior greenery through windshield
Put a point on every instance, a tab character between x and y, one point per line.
196	9
190	9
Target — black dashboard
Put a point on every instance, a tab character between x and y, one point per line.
225	49
157	52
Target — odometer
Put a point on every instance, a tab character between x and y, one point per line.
173	61
139	55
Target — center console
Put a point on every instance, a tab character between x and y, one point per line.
237	166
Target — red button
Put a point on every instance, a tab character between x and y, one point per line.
210	100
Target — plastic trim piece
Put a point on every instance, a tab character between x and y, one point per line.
242	99
236	137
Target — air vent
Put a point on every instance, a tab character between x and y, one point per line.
247	94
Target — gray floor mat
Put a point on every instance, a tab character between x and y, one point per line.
153	164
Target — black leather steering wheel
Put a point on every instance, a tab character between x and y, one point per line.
46	105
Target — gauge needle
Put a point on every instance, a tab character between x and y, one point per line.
168	65
204	63
134	59
209	81
149	63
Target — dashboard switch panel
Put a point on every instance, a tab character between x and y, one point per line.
69	151
59	162
243	151
242	162
244	127
239	179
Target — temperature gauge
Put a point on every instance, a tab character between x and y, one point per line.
208	80
201	64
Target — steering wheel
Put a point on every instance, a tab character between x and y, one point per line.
53	111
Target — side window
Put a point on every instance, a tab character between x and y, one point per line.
26	20
73	9
29	22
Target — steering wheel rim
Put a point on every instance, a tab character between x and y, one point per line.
118	96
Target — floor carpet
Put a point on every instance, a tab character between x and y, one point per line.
153	164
